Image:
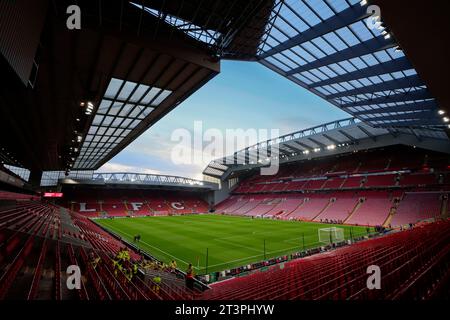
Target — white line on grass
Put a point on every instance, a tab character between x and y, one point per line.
251	257
166	253
298	238
223	240
246	235
203	267
208	220
237	245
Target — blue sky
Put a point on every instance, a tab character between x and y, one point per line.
244	95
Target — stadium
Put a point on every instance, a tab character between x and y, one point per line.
351	209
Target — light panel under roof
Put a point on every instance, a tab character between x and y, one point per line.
123	107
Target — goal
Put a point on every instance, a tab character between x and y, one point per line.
331	235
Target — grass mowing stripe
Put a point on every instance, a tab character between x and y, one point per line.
235	244
164	252
231	241
251	257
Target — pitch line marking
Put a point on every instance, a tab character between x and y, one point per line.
166	253
237	245
214	265
250	257
228	262
292	240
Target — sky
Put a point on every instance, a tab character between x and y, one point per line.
245	95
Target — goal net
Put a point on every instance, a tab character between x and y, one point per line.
331	235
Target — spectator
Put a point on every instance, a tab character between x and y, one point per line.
190	277
156	284
173	266
94	260
123	255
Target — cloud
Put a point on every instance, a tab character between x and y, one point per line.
118	167
187	159
293	124
245	96
189	171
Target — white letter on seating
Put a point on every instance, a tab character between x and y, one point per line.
177	205
374	281
136	205
74	277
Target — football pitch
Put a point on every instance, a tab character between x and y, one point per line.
230	241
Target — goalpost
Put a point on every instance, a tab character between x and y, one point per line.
331	235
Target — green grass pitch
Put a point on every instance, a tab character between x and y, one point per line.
231	241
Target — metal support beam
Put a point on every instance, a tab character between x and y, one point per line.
367	133
415	123
284	147
370	46
247	156
340	20
421	94
425	106
307	147
406	82
396	65
417	135
276	9
414	115
290	145
348	136
251	154
331	139
394	133
320	144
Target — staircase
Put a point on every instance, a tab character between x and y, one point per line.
150	209
273	202
388	165
393	210
357	206
444	208
323	210
299	206
343	182
388	220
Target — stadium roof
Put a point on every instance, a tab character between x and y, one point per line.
134	61
126	107
331	48
143	180
74	98
332	138
86	177
229	29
